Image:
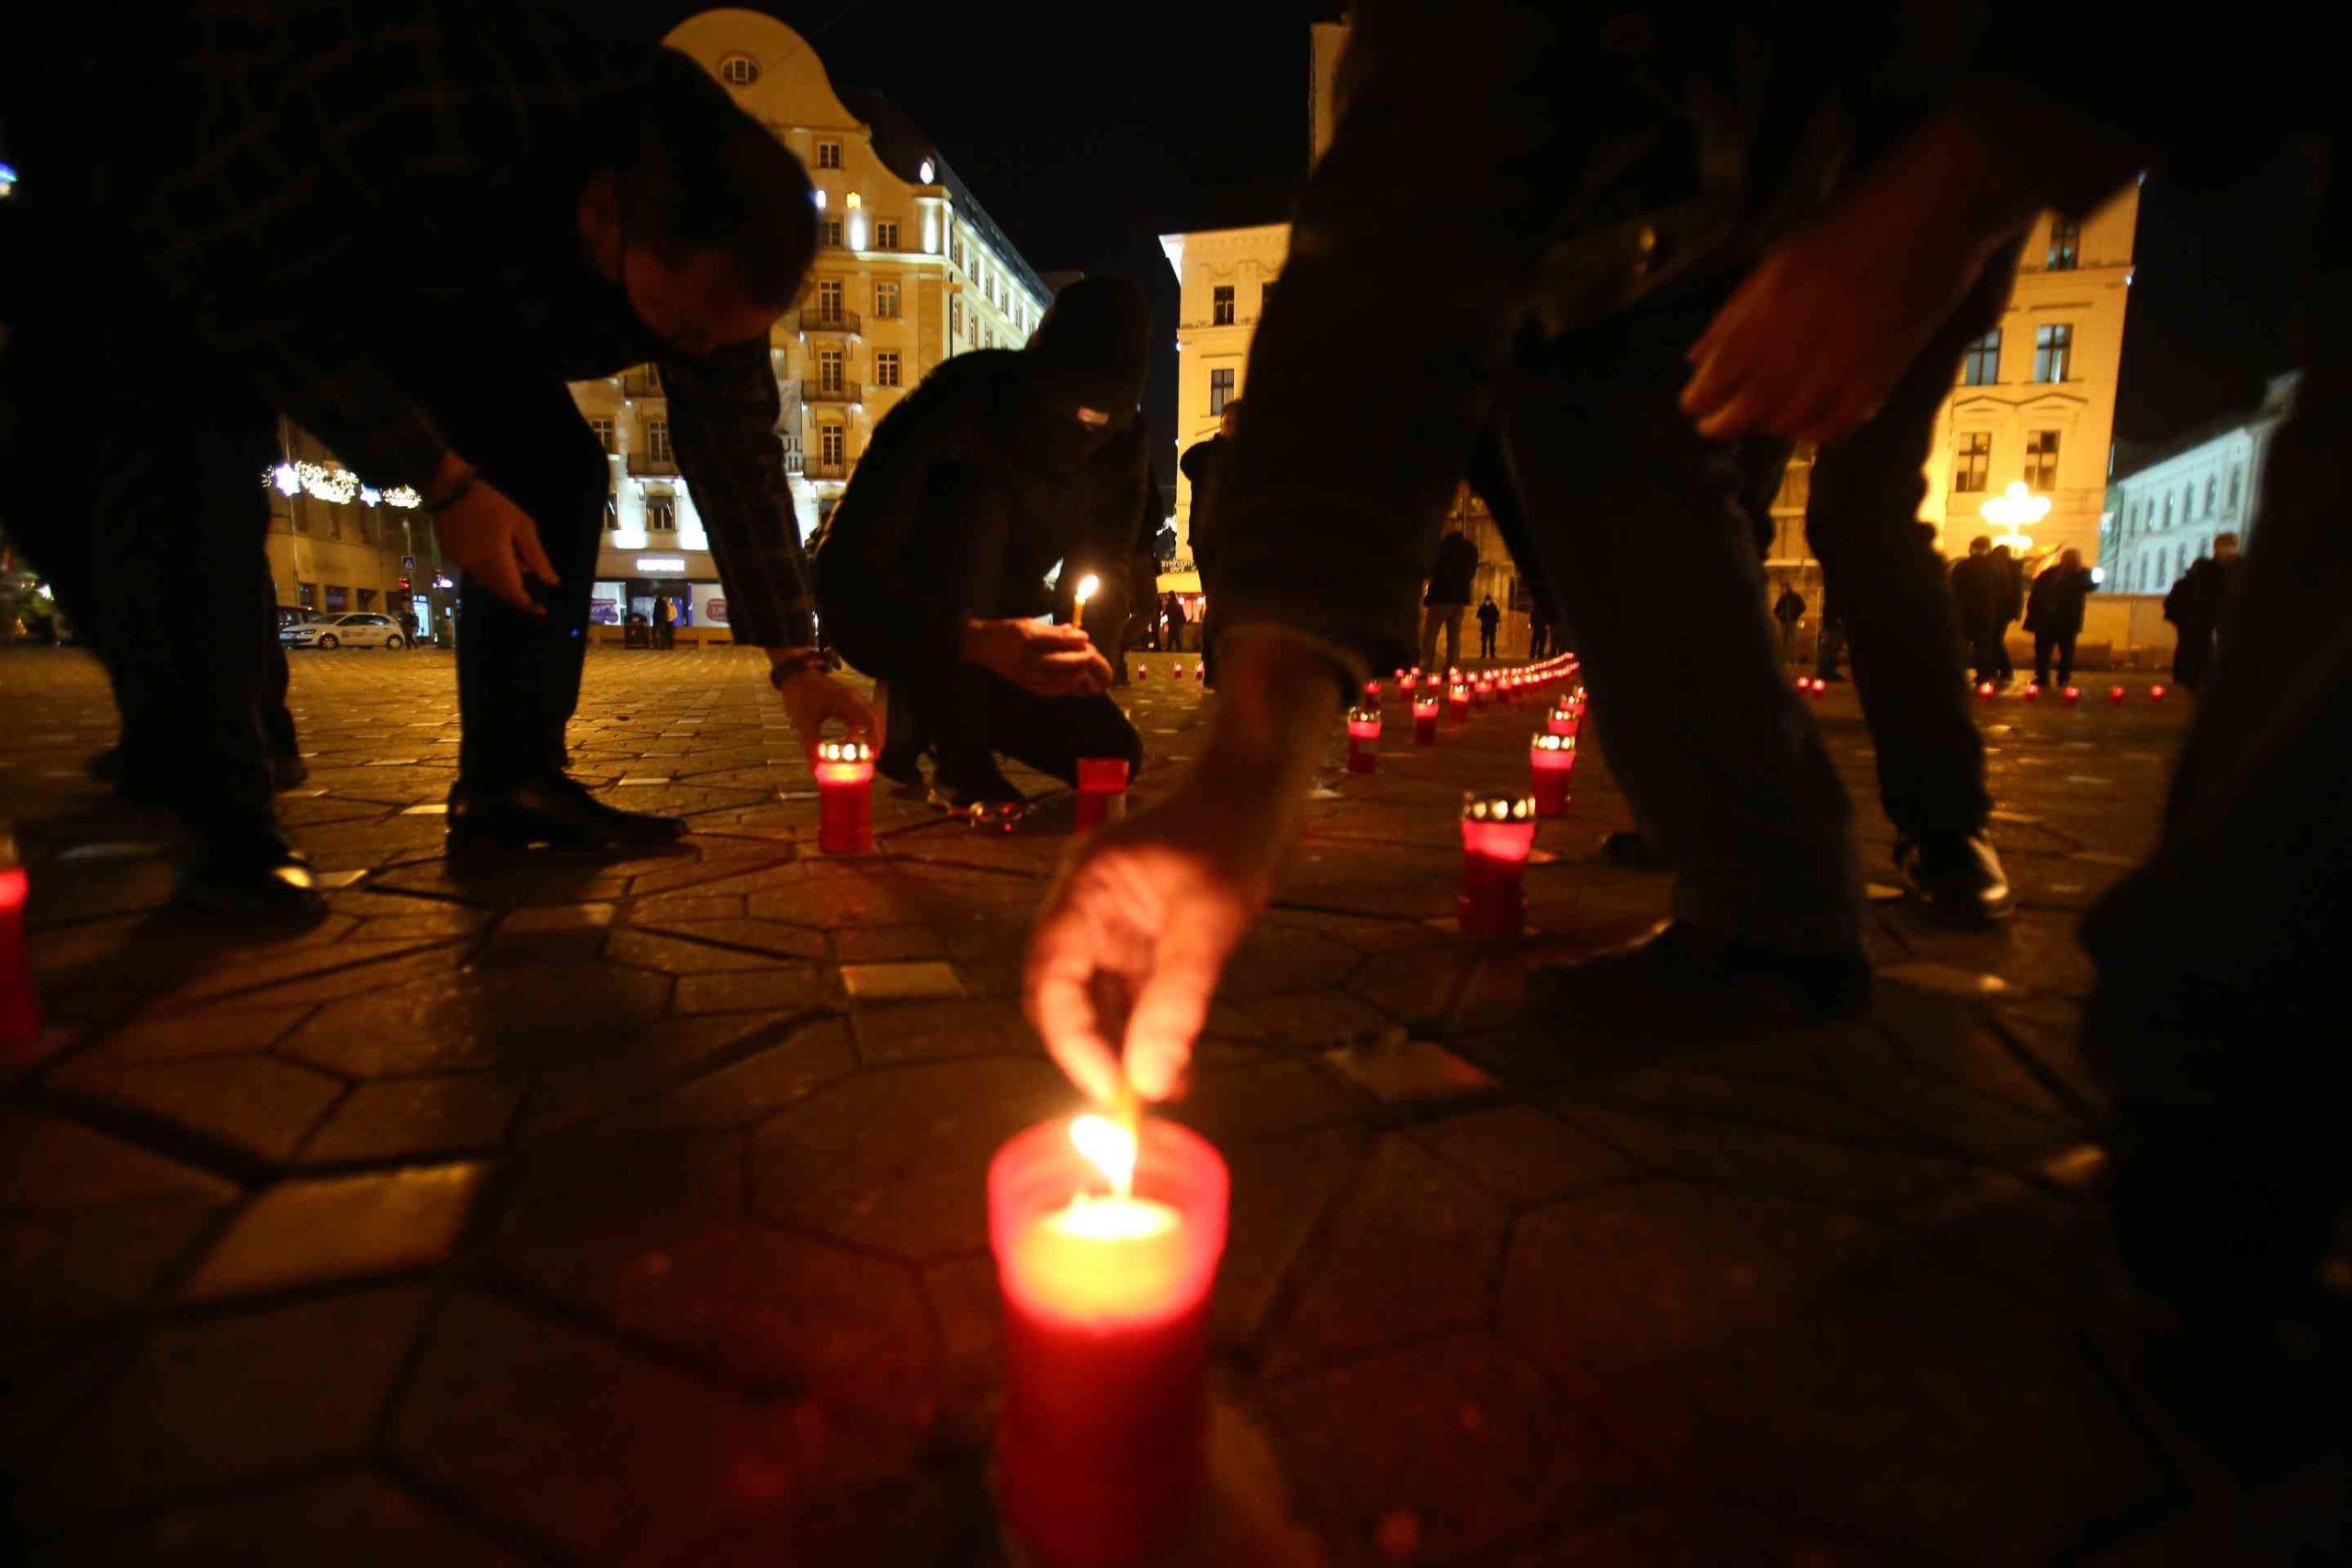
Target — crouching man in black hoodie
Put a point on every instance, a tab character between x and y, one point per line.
933	572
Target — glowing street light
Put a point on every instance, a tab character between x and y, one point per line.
2015	510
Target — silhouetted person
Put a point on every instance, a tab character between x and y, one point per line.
1789	611
1490	618
2054	613
1447	598
2008	604
1539	630
933	573
665	621
1978	586
2197	606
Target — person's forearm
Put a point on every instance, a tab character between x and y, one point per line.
1275	706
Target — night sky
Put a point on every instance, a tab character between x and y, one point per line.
1196	118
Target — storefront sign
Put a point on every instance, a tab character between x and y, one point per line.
661	563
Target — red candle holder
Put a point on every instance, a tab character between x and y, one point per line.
2073	694
1363	740
1102	1446
1425	719
1200	671
1409	680
2115	695
1371	694
1482	691
1983	690
1551	758
19	1003
845	797
1562	719
2155	693
1498	835
1457	703
2033	691
1101	791
1507	691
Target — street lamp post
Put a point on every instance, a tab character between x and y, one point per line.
2015	509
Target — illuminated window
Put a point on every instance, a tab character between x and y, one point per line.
1981	365
2234	490
832	233
602	431
1221	305
660	511
1220	390
2054	349
829	299
657	440
832	443
2066	244
886	234
1971	461
2213	488
739	71
828	369
829	154
885	367
2041	460
955	320
886	299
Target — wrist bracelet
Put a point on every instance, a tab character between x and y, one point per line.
456	493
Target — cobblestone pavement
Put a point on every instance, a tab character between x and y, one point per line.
634	1212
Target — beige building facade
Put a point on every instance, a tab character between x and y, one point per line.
911	270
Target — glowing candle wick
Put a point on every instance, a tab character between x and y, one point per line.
1086	587
1111	1148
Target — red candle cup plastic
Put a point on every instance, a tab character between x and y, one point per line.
1457	703
1363	740
1371	693
845	797
1498	835
1983	690
1481	694
2115	695
2155	693
1102	790
2073	695
2033	691
1550	760
1407	681
1562	720
1101	1444
1200	671
19	1005
1425	720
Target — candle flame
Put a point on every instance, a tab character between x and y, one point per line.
1086	587
1110	1146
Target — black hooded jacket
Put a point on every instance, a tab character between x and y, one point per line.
981	479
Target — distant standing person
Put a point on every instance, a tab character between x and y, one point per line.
1539	630
2196	607
665	621
2008	604
1491	617
1448	598
1977	587
2054	613
1789	611
1172	617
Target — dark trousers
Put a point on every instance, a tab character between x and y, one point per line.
2217	1010
2048	643
1987	653
1486	642
1539	641
155	548
1639	527
971	716
518	674
1893	594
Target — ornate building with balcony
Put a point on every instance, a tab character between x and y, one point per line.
910	271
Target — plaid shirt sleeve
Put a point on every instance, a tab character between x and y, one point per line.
336	152
723	415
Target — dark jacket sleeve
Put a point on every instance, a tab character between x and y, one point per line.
1340	477
886	615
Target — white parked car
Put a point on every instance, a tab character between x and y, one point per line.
359	630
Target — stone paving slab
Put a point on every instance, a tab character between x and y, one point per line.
620	1211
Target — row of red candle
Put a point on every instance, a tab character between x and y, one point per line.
1813	686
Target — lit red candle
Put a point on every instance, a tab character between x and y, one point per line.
2033	691
1372	694
1363	740
2115	695
1498	835
19	1005
845	797
2073	694
1562	719
1482	691
1200	671
1102	790
1407	681
1983	690
1106	1246
1457	703
1551	758
1425	719
2155	693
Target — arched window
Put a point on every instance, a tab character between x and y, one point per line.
739	71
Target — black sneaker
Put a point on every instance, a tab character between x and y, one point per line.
1677	981
256	879
1956	877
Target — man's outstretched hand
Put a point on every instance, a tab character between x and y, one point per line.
495	542
813	699
1049	660
1126	957
1816	337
